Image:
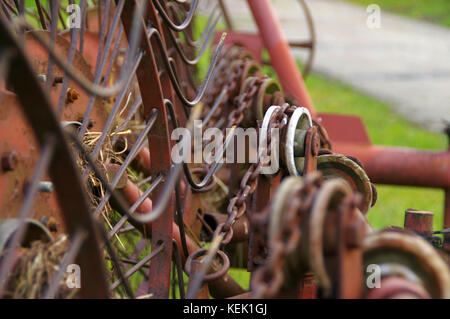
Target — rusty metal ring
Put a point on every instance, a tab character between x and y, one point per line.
269	86
207	188
241	210
297	121
411	250
290	237
336	165
278	208
213	276
228	233
263	135
249	70
329	189
267	288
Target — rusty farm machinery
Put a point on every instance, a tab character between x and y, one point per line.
91	95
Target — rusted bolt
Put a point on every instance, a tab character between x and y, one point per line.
72	95
9	161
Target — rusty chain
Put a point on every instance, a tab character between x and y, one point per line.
268	278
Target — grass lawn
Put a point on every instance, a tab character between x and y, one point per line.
435	11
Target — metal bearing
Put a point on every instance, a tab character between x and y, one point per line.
300	119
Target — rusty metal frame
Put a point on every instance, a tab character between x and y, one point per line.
36	106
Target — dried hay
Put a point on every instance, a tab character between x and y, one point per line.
35	270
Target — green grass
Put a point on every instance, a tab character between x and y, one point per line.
435	11
385	128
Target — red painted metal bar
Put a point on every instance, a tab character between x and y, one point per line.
159	143
280	53
401	166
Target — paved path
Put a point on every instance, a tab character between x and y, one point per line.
405	63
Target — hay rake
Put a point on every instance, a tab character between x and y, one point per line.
87	115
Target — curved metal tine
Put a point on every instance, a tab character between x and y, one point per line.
138	266
115	109
117	227
215	165
124	219
164	199
219	100
9	7
61	19
140	147
27	205
83	9
197	43
145	194
169	185
173	65
68	259
114	54
72	49
221	65
53	33
179	219
170	24
154	33
179	267
21	7
5	10
144	181
82	80
126	162
195	60
115	261
41	14
102	56
206	264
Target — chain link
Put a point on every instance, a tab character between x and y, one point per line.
268	279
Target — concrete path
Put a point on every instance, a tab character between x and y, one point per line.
405	63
